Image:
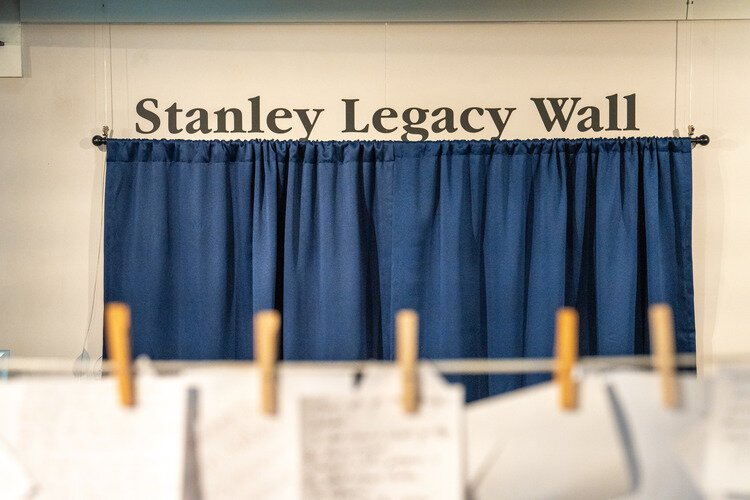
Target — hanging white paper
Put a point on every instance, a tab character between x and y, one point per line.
522	445
76	440
727	462
691	447
240	452
653	432
15	481
362	445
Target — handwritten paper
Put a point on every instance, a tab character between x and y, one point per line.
521	445
727	462
361	445
653	431
76	441
240	452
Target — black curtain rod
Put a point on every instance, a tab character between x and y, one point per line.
702	140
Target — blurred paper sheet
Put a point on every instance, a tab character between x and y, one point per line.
15	482
10	408
240	452
362	445
521	445
76	440
691	447
727	462
654	430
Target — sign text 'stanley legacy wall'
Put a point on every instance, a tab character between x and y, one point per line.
614	112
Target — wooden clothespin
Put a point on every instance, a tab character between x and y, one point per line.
266	325
566	355
117	327
407	336
661	325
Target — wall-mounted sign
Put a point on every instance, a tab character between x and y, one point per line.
611	113
396	82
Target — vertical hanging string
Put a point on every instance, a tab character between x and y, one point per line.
385	65
103	80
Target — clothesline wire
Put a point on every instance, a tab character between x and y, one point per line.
446	366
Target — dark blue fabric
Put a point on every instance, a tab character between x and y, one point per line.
485	239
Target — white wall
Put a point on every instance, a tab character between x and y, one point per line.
50	191
719	104
79	77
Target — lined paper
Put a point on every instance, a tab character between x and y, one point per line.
361	445
240	452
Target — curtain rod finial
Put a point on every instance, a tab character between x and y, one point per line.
703	140
101	140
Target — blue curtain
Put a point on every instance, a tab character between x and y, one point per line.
485	239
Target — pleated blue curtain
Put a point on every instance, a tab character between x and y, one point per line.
485	239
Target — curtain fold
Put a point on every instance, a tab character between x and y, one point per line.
485	239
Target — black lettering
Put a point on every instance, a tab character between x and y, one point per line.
557	104
349	113
221	120
200	124
447	121
612	112
498	120
630	100
172	113
593	119
152	117
409	127
255	115
379	115
465	124
306	122
278	114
